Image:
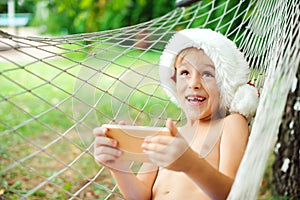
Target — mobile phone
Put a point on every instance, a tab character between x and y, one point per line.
130	139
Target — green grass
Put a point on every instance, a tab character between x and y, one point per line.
36	109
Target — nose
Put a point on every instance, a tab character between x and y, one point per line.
195	82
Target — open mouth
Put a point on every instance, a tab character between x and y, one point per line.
195	99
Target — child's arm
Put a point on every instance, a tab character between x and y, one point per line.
106	153
136	187
214	182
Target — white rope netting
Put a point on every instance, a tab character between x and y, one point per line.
55	90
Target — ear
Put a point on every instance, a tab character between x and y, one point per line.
173	78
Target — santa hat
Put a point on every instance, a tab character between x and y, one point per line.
230	65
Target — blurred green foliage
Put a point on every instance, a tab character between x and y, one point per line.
63	17
78	16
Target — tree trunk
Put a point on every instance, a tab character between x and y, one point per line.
286	168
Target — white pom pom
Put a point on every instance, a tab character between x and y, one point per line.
245	101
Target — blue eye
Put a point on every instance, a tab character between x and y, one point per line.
184	73
207	74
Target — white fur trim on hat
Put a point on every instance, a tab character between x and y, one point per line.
245	101
230	65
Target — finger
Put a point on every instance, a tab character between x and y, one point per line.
152	147
105	141
171	126
160	139
105	158
159	159
104	150
100	131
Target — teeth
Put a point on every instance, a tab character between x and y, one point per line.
195	99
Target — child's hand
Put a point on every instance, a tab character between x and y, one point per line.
172	152
106	151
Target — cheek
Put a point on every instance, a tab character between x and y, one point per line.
180	85
216	96
213	90
180	92
211	86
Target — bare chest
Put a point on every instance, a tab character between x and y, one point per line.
175	186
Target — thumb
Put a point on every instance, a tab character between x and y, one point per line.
171	126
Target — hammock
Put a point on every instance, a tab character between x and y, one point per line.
55	90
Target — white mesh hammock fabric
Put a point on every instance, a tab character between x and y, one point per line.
55	90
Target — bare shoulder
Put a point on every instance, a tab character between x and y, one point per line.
233	143
236	123
235	129
236	118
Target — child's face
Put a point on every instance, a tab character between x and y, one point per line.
196	86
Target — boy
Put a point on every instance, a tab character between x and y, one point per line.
204	73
